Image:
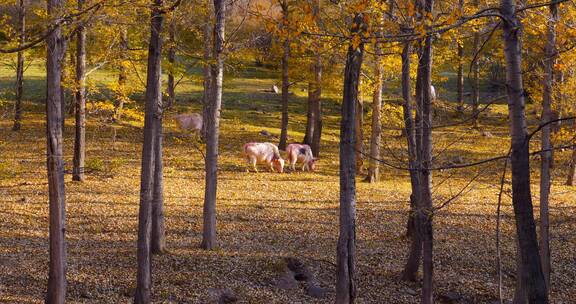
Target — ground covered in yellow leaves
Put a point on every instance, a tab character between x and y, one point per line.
262	217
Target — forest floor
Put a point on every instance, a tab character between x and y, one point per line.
262	217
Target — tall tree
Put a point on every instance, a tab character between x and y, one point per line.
374	165
317	102
152	115
476	76
55	163
285	80
80	98
206	70
20	66
546	145
158	227
359	130
172	60
460	77
346	248
122	74
213	127
530	265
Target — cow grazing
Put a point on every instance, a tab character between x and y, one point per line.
190	122
264	153
301	153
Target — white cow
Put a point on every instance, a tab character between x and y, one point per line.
265	152
191	122
301	153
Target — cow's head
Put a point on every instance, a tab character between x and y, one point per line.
278	164
312	164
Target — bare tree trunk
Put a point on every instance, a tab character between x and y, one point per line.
425	210
172	60
460	78
207	73
346	249
20	66
531	267
317	105
476	77
62	80
56	293
310	115
285	80
158	228
546	156
213	128
572	170
374	167
122	75
80	97
359	130
153	113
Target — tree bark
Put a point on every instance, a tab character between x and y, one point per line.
213	128
158	228
122	75
317	105
172	61
546	144
20	66
285	80
56	293
80	98
476	77
310	115
359	130
460	78
425	210
531	268
153	112
346	248
62	80
207	72
374	165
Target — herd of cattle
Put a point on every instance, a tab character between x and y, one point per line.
260	152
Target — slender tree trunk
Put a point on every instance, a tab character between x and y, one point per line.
207	72
476	77
158	229
317	107
425	212
285	80
310	115
531	267
213	128
122	75
460	78
62	80
346	249
374	167
80	98
572	170
20	66
359	130
546	157
153	112
55	164
172	61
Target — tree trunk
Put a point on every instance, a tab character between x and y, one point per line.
62	80
206	70
460	78
374	165
531	268
425	210
172	61
122	75
359	130
213	128
285	80
346	249
310	115
20	66
158	229
80	98
476	77
317	105
153	112
55	164
549	62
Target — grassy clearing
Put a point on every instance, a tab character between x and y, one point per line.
261	217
